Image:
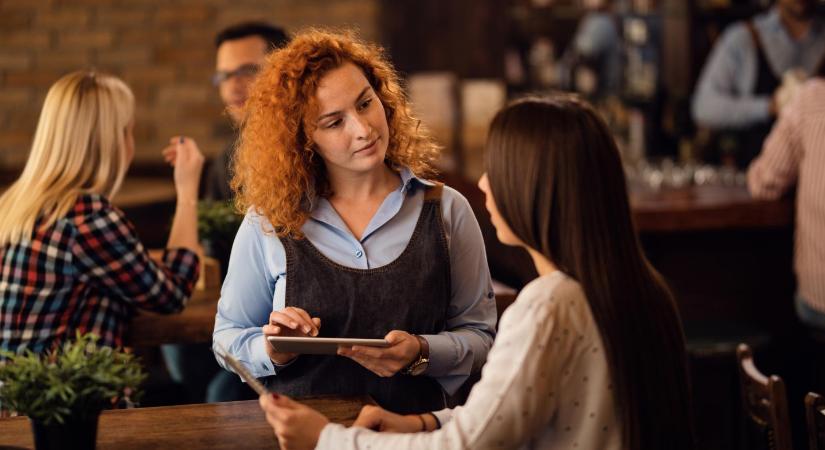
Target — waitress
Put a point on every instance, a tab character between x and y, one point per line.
330	170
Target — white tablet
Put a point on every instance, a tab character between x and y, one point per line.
318	345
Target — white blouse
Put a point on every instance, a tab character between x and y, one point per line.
546	385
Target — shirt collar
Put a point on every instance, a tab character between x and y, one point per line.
321	209
409	180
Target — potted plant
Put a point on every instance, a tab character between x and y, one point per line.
218	221
64	391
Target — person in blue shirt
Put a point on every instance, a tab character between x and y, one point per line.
344	236
597	48
738	85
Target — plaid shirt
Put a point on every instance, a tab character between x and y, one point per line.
87	272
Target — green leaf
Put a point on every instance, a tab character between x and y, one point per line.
78	378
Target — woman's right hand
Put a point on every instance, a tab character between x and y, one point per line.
289	321
183	153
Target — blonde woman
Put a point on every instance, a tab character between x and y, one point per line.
71	262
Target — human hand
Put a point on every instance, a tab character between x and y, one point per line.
379	419
296	425
185	156
289	321
385	362
792	81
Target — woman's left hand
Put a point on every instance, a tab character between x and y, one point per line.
385	362
296	425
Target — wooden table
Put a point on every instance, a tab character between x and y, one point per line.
191	326
229	425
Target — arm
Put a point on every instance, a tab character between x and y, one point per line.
513	402
777	167
721	100
246	298
107	249
471	323
188	162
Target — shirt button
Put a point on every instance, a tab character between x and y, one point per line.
359	253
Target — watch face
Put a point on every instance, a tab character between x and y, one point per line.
419	367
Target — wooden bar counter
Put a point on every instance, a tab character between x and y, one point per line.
228	425
727	256
707	208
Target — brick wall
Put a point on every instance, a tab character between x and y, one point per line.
162	48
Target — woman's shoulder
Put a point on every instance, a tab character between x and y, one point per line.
90	206
557	292
256	223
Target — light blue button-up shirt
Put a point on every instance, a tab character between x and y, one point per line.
255	283
724	96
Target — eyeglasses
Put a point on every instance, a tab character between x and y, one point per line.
245	71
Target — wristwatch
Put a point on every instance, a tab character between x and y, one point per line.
420	364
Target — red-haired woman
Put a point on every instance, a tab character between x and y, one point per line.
344	237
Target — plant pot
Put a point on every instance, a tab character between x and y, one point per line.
78	434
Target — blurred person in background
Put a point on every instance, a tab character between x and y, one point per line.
794	155
241	50
753	70
592	64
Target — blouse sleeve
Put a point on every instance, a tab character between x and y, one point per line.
108	251
515	399
462	348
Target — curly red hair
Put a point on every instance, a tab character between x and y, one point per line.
276	169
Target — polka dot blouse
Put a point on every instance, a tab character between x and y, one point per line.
545	384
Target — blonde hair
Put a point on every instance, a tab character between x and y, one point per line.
79	147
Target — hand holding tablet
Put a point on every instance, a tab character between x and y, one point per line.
289	322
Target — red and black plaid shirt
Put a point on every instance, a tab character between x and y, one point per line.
87	272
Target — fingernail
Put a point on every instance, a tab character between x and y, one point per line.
275	396
293	325
307	329
315	333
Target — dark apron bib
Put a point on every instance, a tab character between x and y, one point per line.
752	138
412	294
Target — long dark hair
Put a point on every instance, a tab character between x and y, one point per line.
557	178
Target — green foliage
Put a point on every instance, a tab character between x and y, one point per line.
75	381
217	221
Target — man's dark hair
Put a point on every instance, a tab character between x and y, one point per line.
274	37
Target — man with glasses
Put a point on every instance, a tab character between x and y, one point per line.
241	51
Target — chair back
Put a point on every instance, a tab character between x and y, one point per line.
765	402
815	415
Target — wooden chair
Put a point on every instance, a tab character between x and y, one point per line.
765	402
815	415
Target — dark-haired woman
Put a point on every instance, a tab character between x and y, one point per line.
591	355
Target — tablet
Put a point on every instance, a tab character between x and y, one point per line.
318	345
